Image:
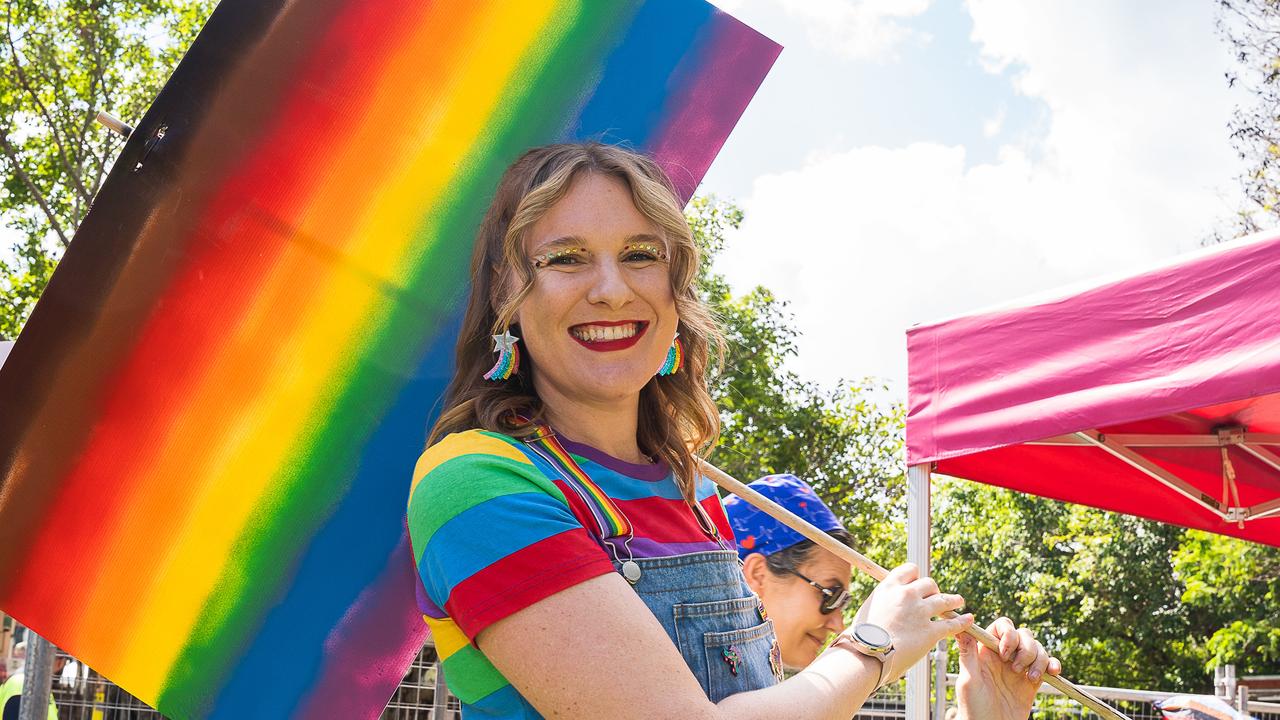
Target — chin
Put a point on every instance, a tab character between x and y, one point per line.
796	667
617	382
798	659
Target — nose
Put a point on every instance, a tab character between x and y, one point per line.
835	622
609	286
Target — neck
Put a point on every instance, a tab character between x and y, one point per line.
608	427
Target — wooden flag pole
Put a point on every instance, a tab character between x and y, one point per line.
867	566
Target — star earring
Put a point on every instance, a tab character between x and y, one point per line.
675	358
508	357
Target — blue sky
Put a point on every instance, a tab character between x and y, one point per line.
913	159
931	84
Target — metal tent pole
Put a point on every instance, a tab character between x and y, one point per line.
918	548
37	678
939	655
440	698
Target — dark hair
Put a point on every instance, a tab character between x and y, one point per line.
785	562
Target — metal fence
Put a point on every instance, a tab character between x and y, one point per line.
92	697
421	697
1137	704
89	696
889	702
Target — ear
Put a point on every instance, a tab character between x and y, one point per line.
755	571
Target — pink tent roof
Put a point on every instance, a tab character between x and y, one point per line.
1156	395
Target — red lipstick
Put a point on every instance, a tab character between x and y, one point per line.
612	345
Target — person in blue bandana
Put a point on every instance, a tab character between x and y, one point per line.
789	572
805	592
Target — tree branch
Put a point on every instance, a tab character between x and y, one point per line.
11	153
44	111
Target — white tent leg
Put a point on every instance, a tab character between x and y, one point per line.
918	548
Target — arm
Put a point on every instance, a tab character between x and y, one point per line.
595	650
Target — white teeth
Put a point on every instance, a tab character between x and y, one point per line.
605	333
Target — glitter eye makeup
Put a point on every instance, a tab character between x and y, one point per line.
555	257
655	251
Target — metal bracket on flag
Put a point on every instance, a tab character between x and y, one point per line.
157	136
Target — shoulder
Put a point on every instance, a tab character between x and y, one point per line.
708	495
472	447
469	468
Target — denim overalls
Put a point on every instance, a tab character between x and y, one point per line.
714	620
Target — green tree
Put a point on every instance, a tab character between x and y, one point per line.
1232	593
1122	601
1251	29
61	61
1090	584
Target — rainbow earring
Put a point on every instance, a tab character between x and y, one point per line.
675	358
508	357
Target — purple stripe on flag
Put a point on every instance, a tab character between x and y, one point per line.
366	653
710	90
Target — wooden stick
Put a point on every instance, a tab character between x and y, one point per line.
866	565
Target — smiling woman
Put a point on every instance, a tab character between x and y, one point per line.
600	231
573	560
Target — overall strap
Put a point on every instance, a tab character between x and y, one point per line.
610	521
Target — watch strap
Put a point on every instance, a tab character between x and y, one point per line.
863	649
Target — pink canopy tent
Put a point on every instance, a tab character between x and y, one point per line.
1157	395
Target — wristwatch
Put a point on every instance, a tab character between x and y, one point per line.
875	642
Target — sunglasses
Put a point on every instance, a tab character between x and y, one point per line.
834	599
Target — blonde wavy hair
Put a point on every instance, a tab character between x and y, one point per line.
678	421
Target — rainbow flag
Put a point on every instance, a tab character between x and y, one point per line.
209	425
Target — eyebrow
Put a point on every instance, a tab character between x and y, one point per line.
646	237
573	241
568	241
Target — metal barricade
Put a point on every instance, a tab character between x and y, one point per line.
86	695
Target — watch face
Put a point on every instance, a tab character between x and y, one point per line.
872	635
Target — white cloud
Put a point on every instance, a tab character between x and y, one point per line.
854	29
1130	168
995	124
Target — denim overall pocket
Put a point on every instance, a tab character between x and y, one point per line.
725	644
738	660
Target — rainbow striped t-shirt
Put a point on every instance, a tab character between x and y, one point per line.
495	529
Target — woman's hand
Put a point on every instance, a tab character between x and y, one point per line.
905	604
1001	686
